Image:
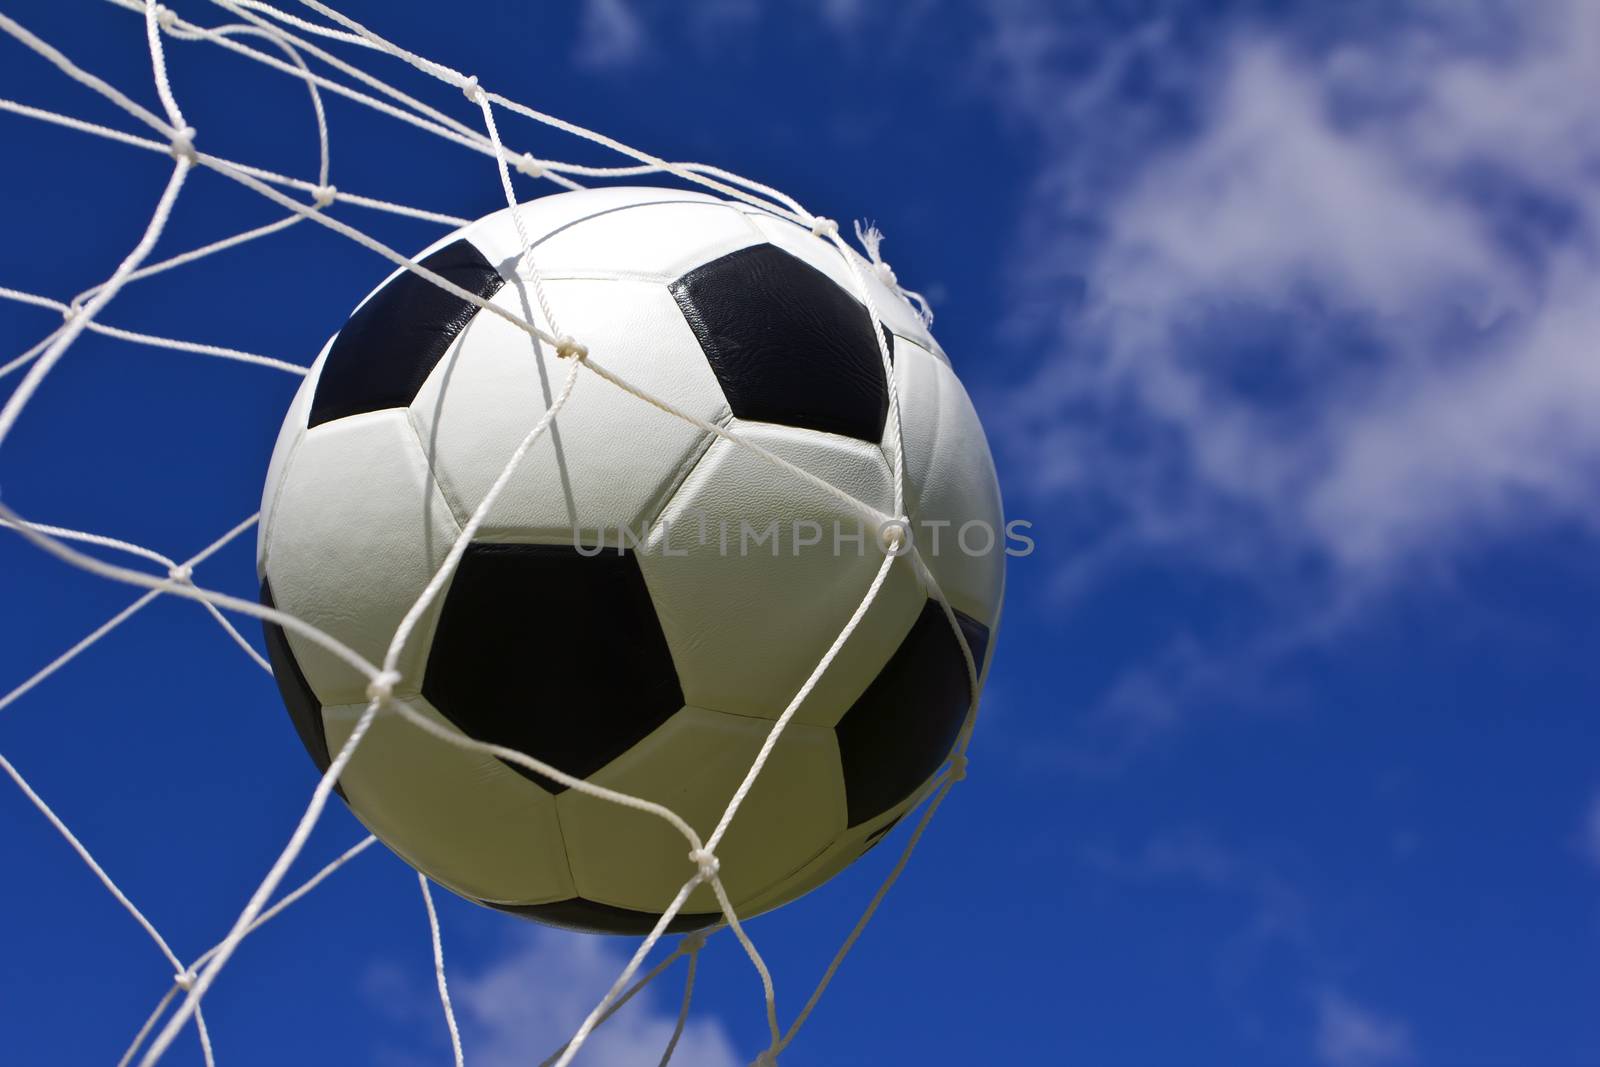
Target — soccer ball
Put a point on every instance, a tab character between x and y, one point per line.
645	597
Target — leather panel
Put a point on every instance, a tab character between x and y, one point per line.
592	917
900	731
788	344
747	621
458	814
384	353
608	458
693	764
552	654
305	710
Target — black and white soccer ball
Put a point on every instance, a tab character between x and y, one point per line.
655	669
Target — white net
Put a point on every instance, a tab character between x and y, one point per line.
316	50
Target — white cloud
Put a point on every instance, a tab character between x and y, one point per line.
1350	1035
532	999
1436	202
843	15
1591	833
610	35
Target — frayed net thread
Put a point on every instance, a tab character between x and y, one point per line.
871	239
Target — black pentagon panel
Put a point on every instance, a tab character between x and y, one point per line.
977	635
787	343
553	654
387	349
595	918
899	731
305	710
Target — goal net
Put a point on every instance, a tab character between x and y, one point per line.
330	55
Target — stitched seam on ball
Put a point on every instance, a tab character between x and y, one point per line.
563	228
690	462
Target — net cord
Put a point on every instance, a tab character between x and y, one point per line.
438	971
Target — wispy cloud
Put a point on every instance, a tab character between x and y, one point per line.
1350	315
536	995
611	35
1144	705
526	1002
1317	309
1351	1035
1590	841
1278	930
1277	909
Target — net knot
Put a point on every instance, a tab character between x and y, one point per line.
72	311
471	90
768	1058
893	536
381	688
167	17
692	942
181	573
182	146
885	273
526	164
707	861
958	767
823	227
567	348
324	195
185	980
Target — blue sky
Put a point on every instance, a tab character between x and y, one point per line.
1281	318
